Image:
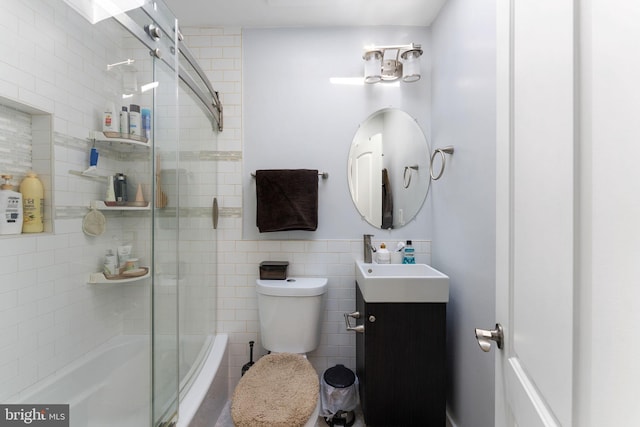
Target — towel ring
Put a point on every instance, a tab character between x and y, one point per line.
442	151
407	181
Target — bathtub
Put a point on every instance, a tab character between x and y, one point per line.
207	395
110	386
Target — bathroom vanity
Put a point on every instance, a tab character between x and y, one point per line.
400	350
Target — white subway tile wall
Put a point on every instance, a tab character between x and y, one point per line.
15	142
53	61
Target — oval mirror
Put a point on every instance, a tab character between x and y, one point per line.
388	168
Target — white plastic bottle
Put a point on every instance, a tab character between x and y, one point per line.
32	203
135	121
110	195
384	257
110	119
124	122
10	208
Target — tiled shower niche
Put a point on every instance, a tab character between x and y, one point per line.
25	145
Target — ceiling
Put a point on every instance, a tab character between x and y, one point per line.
304	13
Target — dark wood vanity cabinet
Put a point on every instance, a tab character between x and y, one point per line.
400	363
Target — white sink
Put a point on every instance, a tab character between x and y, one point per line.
401	283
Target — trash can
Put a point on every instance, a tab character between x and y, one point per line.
339	396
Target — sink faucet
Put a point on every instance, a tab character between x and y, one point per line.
368	248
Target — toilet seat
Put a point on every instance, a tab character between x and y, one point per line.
279	390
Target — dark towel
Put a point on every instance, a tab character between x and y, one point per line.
387	201
287	199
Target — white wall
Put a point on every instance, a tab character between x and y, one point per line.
463	207
295	118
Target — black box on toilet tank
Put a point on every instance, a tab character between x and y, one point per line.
273	270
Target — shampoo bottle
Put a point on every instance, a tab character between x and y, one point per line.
146	123
135	122
32	203
10	208
110	119
124	122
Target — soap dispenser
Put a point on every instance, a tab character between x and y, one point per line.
384	257
10	208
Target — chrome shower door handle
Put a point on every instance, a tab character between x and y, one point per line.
355	315
485	337
214	213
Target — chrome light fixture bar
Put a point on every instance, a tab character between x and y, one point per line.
381	67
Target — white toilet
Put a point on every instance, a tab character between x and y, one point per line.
290	313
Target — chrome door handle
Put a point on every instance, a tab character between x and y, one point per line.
485	337
355	315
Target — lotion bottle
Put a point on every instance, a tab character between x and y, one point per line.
10	208
32	203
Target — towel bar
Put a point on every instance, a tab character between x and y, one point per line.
324	175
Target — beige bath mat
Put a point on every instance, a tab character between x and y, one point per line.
280	390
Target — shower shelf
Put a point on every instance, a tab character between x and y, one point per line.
99	278
85	174
118	143
102	206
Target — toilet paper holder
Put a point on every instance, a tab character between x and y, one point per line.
357	328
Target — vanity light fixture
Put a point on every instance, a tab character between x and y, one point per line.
405	63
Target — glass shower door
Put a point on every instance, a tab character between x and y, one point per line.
157	58
165	237
165	249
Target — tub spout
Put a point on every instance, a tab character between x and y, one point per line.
368	248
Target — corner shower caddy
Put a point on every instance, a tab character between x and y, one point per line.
122	145
119	143
100	278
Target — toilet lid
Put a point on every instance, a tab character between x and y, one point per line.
278	390
293	286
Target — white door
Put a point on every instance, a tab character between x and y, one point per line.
365	178
535	212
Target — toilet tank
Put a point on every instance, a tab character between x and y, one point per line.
290	313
